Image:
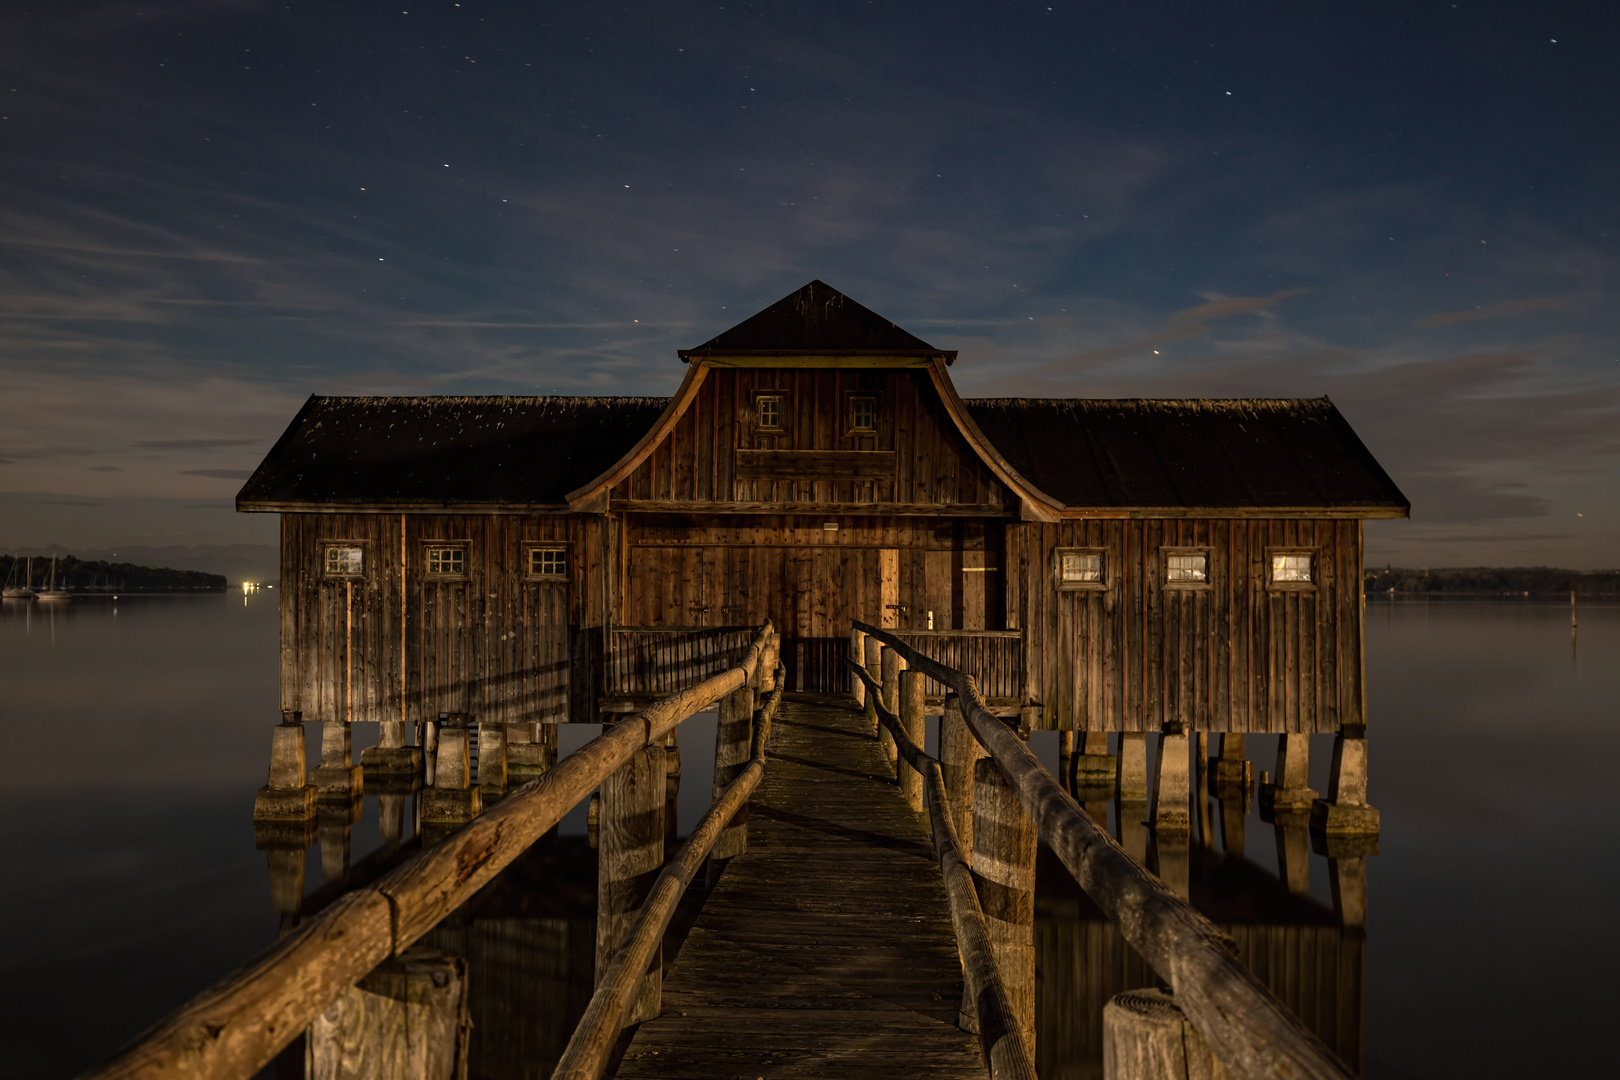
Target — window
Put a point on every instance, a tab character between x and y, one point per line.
770	412
548	562
446	560
1293	568
345	560
1080	568
862	414
1186	568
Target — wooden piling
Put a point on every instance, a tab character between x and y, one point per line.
1004	874
915	727
732	738
630	853
892	664
1172	796
857	653
874	668
1146	1037
1133	787
407	1020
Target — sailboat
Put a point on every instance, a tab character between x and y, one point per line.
15	590
51	592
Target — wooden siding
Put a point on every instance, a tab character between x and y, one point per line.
1238	656
398	644
718	454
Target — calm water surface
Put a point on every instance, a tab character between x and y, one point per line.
136	733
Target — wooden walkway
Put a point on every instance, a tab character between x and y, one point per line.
826	950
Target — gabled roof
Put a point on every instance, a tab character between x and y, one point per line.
400	453
1190	454
818	320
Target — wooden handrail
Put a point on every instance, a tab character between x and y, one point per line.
234	1028
1252	1032
588	1050
1005	1052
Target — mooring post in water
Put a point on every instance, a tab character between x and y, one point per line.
337	777
1094	766
1132	787
1172	795
1345	810
1146	1037
733	739
286	797
452	800
1004	871
874	668
407	1019
630	851
1291	789
391	757
857	653
492	760
892	664
914	725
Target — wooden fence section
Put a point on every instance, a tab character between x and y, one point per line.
235	1027
1253	1033
659	660
995	659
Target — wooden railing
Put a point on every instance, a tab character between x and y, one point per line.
1005	1052
1250	1031
235	1027
659	660
995	658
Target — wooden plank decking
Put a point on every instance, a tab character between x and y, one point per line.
826	950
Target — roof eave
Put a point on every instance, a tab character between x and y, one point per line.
752	358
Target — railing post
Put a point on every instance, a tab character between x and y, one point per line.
630	853
915	727
1146	1037
407	1019
733	737
958	750
857	653
893	664
874	668
1004	871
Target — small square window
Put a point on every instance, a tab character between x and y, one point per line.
770	413
344	560
1080	569
548	562
862	414
1293	568
446	560
1186	568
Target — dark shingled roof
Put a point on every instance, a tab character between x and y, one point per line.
438	451
816	319
1187	453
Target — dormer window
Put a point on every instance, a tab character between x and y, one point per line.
770	412
863	414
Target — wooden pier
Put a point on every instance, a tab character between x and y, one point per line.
826	950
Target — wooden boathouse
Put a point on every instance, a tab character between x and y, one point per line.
1097	565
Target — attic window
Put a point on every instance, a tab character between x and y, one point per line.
770	412
862	414
1185	568
1293	569
345	560
1080	568
548	562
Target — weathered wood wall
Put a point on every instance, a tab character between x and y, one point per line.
399	644
719	454
1240	655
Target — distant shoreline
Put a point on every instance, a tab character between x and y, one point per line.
1493	582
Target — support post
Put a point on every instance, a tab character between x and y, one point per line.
337	777
630	853
1172	798
1230	767
286	797
913	724
1345	810
492	760
857	653
1132	767
452	800
1146	1037
733	738
531	749
1066	759
391	819
958	750
1292	790
391	757
407	1019
1094	766
893	664
1004	872
336	825
874	668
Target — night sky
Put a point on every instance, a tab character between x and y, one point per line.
209	211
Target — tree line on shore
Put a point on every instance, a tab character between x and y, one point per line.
89	575
1494	581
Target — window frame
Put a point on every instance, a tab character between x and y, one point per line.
530	547
1274	585
365	559
780	397
848	417
425	546
1165	554
1103	568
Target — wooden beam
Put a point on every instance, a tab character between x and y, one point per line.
816	464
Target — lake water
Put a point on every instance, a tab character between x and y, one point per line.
137	731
